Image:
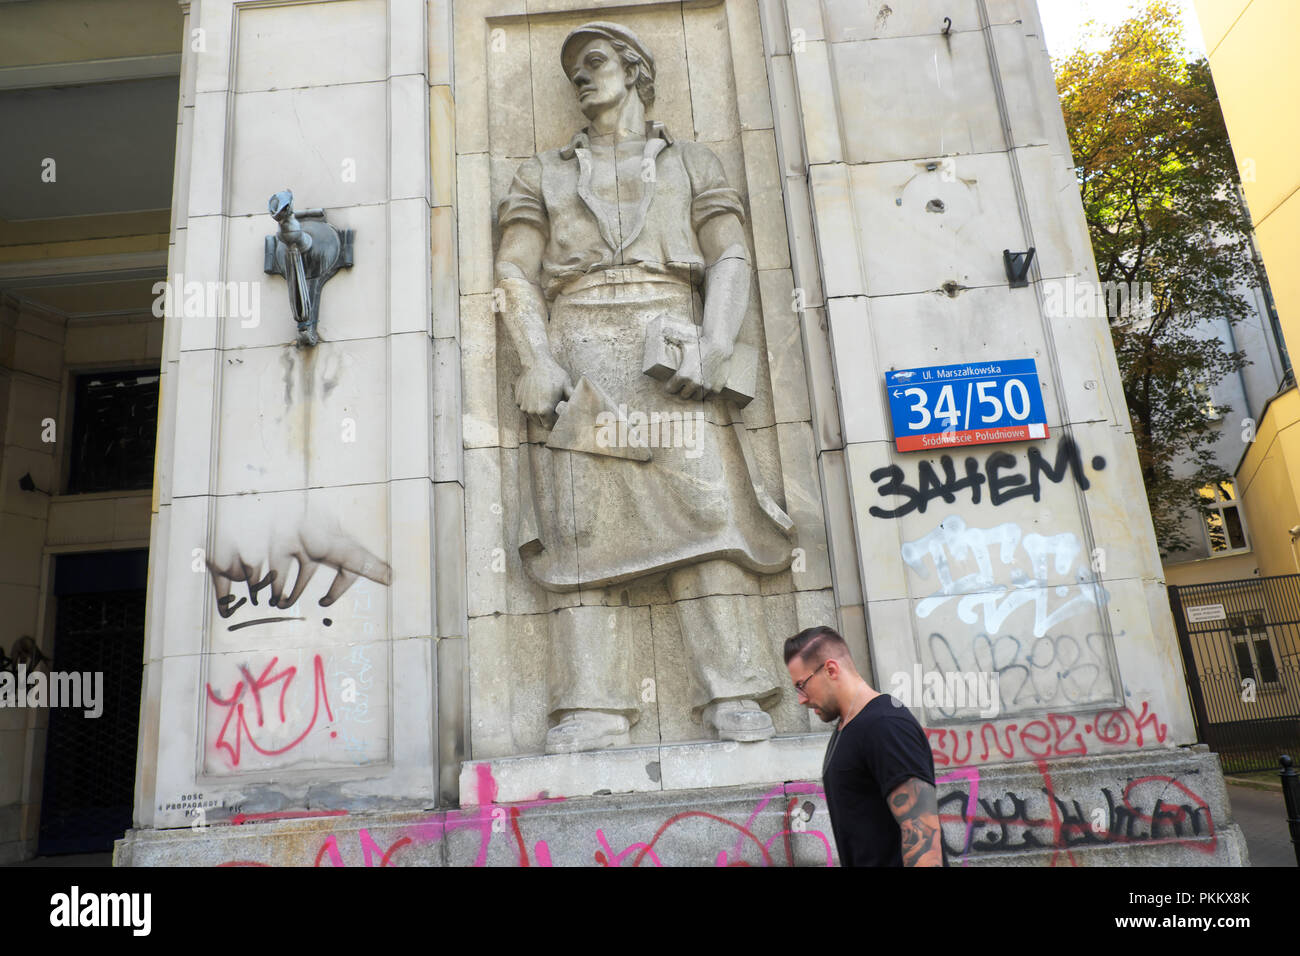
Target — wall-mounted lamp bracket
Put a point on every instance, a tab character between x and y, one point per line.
1017	266
307	251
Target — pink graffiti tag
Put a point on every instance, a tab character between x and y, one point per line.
480	816
972	778
253	687
489	818
639	851
792	787
369	847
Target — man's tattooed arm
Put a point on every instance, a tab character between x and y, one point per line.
916	809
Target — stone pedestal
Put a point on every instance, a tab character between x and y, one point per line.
643	769
1167	809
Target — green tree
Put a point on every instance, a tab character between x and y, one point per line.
1160	193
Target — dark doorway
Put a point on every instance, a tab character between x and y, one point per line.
89	788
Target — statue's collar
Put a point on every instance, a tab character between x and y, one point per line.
582	138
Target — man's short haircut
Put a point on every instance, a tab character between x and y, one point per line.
816	644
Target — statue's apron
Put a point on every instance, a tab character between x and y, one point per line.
615	519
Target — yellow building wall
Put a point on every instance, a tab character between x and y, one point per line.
1266	480
66	31
1257	76
1232	567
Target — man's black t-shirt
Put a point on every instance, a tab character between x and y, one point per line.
877	750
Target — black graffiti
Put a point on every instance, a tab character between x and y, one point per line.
1031	671
1004	484
1007	824
226	603
995	829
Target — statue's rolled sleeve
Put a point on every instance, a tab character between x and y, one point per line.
524	202
710	193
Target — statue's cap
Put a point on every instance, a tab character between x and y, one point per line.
573	43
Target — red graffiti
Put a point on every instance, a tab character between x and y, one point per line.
1057	736
484	816
369	848
606	856
1041	764
677	818
1174	816
253	687
490	818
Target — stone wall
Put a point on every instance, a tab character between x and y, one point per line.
918	144
271	453
1078	813
885	160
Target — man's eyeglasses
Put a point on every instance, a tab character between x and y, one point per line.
800	685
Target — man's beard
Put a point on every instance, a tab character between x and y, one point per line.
828	713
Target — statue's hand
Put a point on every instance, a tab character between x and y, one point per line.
703	370
540	389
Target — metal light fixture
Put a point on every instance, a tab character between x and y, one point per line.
25	652
1017	266
27	483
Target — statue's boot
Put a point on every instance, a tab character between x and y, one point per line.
740	720
587	730
729	657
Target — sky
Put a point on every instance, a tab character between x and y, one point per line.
1063	22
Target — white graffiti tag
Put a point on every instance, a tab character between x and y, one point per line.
979	591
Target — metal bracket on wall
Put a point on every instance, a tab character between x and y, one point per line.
307	253
1017	266
25	653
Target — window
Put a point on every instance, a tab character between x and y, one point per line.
114	426
1253	648
1206	401
1225	529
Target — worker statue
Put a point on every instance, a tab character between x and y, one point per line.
623	281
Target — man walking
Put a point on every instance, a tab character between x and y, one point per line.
879	772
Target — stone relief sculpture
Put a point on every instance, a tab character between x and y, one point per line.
625	280
307	254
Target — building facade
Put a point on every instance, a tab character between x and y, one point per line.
853	183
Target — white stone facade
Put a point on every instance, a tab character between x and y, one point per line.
264	447
885	161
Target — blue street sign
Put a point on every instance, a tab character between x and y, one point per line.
976	403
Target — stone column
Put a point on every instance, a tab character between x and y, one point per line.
919	142
276	460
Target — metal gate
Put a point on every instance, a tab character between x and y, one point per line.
89	780
1241	652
